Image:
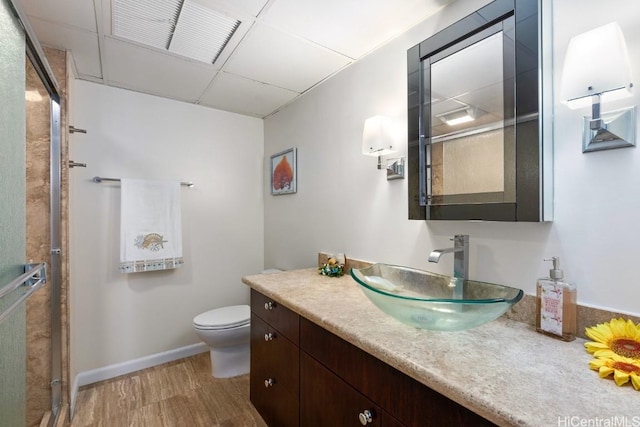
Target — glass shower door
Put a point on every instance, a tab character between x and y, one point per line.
12	216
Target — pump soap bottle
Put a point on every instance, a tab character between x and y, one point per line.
556	304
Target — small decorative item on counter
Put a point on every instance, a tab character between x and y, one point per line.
334	267
617	350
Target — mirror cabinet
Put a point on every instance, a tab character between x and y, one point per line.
479	146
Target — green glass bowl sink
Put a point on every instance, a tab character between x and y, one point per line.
433	301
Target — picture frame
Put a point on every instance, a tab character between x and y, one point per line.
284	172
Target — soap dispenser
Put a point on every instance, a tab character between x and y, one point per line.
556	304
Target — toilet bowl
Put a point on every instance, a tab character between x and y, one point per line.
226	331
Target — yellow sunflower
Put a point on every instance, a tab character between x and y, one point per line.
622	368
619	336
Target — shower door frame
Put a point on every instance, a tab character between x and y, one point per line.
43	69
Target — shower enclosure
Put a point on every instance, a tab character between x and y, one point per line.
19	277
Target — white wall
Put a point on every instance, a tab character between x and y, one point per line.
119	317
344	204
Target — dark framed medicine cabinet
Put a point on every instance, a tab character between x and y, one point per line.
480	101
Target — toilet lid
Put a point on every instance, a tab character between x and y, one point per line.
225	317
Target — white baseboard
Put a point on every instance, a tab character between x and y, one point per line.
123	368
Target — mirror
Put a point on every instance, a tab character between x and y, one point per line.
475	141
472	146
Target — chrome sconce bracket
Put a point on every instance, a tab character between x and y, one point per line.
613	129
395	168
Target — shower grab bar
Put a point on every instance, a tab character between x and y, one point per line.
34	277
99	179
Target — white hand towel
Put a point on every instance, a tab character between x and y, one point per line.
150	226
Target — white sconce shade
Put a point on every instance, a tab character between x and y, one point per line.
597	62
377	137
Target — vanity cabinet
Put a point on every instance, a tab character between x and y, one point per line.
302	374
274	380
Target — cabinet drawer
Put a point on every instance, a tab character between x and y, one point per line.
326	400
274	379
409	401
280	317
363	371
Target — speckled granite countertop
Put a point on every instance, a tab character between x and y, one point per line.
503	370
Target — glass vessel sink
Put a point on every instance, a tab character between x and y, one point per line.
432	301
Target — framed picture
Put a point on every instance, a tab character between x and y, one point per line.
284	172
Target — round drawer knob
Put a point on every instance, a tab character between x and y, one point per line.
269	336
365	417
269	305
269	382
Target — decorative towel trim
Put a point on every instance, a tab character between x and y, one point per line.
150	265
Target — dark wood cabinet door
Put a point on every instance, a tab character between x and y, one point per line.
389	421
326	400
274	379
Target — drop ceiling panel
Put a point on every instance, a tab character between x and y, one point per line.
348	26
83	44
270	56
146	70
250	7
80	14
240	95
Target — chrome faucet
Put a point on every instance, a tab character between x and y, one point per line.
460	250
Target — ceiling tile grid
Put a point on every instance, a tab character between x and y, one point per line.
273	57
245	96
279	50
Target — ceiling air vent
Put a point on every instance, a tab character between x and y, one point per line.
184	27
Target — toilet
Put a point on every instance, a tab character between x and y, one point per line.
226	331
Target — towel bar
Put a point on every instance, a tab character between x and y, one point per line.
99	179
33	279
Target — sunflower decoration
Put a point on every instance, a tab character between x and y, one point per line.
622	368
616	347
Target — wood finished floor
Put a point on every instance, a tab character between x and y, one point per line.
176	394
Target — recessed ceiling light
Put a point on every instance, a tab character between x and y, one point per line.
184	27
457	116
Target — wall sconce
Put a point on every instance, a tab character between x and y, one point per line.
597	69
378	140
